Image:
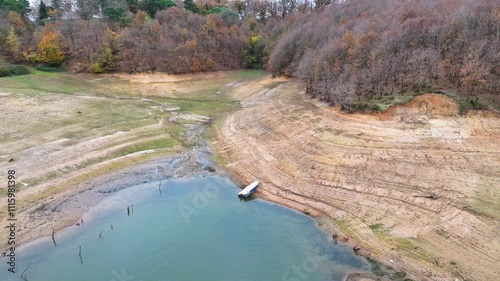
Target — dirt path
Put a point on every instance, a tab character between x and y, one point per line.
416	187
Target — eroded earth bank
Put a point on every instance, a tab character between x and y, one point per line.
416	186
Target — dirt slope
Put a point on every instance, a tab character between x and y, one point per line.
369	175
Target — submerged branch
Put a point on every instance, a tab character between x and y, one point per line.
80	253
53	237
23	274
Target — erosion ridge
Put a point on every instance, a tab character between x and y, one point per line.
416	186
74	138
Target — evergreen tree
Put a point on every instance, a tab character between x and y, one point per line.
21	7
118	15
153	6
133	6
191	6
254	52
43	12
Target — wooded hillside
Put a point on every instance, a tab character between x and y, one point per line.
362	49
345	51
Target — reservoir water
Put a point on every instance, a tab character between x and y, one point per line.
194	230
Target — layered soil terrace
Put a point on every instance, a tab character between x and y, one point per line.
416	186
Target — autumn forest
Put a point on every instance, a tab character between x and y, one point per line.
345	52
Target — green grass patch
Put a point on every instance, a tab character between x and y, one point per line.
376	107
414	247
211	108
346	228
400	274
154	144
49	69
484	201
47	83
379	230
381	103
377	226
46	71
473	103
247	74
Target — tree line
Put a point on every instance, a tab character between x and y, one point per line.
362	49
174	36
345	51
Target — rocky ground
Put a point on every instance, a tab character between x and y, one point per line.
416	187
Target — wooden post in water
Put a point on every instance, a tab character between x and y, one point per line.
159	189
128	210
53	237
80	254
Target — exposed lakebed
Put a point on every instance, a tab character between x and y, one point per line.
194	229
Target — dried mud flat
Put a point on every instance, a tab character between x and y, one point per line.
73	139
416	187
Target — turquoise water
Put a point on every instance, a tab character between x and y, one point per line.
197	230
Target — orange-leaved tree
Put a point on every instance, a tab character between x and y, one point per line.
49	50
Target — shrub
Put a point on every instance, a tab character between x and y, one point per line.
475	103
96	68
4	72
401	274
13	70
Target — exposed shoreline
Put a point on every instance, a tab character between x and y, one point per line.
395	183
386	269
365	177
140	173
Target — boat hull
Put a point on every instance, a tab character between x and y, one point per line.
249	190
246	195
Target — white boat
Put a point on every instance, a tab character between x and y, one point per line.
247	191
